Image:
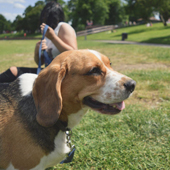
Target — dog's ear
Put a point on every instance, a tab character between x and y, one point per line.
47	94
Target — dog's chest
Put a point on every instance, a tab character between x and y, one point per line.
61	148
55	157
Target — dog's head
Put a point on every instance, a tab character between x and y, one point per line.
76	79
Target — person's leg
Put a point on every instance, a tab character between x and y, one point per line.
13	72
9	75
22	70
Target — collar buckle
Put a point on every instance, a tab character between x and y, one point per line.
70	155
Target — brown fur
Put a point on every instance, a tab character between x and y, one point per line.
57	92
50	96
15	142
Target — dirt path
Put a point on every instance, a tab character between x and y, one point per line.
152	66
135	43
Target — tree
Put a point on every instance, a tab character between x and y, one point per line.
32	17
2	23
61	2
8	26
46	1
18	23
164	10
145	8
39	3
116	12
81	11
30	21
140	9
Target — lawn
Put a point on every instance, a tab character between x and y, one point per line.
137	138
158	33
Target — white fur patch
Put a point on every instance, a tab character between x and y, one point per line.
10	167
75	118
97	54
26	82
57	155
111	92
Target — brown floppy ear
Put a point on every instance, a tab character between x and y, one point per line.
47	94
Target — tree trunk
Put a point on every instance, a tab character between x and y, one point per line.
164	22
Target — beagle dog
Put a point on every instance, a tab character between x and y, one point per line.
32	108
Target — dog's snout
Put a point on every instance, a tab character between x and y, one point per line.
130	85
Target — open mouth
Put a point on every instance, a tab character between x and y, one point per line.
113	108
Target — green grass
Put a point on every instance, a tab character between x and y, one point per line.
133	140
9	35
140	33
17	53
137	138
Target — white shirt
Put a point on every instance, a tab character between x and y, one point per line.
51	48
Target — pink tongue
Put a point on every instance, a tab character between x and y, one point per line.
120	105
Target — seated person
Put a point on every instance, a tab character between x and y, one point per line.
59	37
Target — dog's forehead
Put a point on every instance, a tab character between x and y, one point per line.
100	56
78	55
96	54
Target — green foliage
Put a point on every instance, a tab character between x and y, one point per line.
101	12
50	0
2	21
145	8
30	22
116	13
4	24
32	18
81	27
164	10
139	9
18	23
90	10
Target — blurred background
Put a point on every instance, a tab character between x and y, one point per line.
84	14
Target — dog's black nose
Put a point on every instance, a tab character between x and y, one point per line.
130	85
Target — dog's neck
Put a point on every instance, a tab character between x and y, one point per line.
29	117
74	118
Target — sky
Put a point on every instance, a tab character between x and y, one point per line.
11	8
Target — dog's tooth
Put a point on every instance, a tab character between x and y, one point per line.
113	105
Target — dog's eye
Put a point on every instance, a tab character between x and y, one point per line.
110	63
95	71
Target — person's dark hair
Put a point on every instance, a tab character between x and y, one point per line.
52	14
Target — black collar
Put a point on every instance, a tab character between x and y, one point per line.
62	126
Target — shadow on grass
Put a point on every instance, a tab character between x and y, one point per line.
137	31
161	40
